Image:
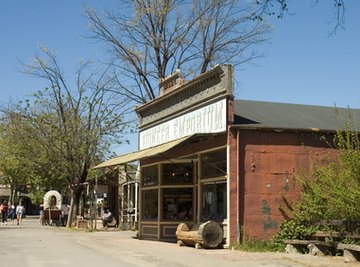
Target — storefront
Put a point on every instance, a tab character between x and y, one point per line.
183	153
205	156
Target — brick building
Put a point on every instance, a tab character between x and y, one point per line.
204	155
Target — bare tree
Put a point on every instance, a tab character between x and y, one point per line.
72	124
152	38
226	34
280	8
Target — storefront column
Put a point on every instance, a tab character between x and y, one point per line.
234	224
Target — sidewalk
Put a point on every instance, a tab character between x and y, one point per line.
155	251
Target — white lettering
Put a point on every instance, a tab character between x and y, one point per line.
209	119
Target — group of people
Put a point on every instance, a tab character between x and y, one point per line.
11	211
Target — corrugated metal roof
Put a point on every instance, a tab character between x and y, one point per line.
260	114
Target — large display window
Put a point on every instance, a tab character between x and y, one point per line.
177	203
149	206
213	164
150	175
214	201
177	173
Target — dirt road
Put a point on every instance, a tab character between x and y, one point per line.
33	245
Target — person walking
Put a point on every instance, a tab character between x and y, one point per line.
12	212
64	213
4	212
19	213
41	213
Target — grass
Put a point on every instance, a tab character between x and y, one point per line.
258	246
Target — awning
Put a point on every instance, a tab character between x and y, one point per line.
144	153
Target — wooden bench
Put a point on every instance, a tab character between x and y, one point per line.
327	242
315	247
351	252
335	235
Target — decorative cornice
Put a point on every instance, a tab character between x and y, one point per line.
214	84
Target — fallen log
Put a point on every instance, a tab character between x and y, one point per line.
205	235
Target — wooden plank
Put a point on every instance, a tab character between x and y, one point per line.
353	247
351	252
308	242
336	234
297	242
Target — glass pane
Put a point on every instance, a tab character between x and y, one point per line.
214	201
178	173
150	175
150	204
177	203
213	164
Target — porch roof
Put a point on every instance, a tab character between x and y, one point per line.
149	152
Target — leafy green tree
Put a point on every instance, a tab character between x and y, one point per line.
16	152
333	191
73	126
328	191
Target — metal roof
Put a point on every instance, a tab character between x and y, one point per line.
259	114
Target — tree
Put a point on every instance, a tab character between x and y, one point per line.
73	127
153	38
15	163
328	191
333	191
225	34
280	8
24	165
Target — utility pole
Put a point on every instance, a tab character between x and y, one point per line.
96	202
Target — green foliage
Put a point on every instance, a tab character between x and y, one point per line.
258	246
61	132
328	192
36	196
333	191
292	229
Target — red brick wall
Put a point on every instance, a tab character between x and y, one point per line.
268	165
233	216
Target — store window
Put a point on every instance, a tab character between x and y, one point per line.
177	204
214	201
149	205
178	173
150	175
213	164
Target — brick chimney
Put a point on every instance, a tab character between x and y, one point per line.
171	82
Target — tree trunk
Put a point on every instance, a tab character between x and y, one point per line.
207	235
74	206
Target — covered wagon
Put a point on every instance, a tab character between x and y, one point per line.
52	208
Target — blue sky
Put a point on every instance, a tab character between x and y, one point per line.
302	64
